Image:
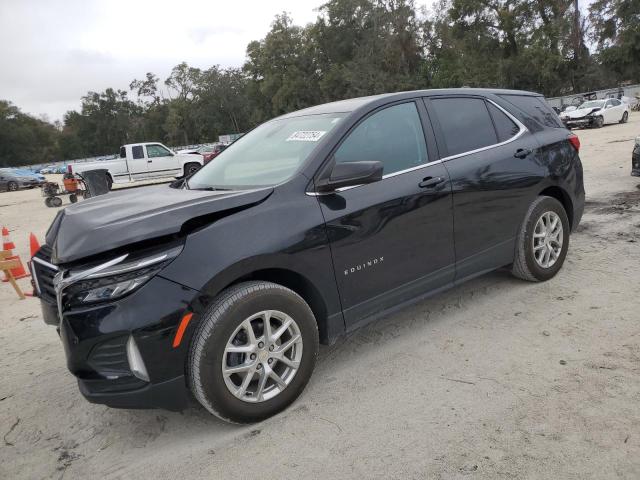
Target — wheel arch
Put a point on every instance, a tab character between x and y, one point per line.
299	284
563	197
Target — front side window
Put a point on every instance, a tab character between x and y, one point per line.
393	136
465	122
616	102
157	151
268	155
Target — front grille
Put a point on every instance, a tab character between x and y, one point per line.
45	275
109	358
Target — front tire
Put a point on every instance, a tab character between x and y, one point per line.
12	186
542	242
253	352
625	117
598	122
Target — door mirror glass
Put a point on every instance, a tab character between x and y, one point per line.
351	174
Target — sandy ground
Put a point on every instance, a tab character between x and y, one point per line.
495	379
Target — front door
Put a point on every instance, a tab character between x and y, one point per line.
391	240
161	161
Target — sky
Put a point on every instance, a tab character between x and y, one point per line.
52	52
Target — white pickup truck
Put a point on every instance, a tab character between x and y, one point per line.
143	161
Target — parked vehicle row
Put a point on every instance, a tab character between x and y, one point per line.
309	226
12	179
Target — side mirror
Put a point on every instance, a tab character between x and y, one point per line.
350	174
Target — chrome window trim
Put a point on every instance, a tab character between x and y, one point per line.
45	263
522	130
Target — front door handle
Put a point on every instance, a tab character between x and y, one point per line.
149	161
522	153
430	182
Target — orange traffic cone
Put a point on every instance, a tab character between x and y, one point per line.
33	244
7	244
18	272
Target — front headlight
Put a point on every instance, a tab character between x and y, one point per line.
114	279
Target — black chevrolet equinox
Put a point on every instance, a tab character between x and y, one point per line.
222	285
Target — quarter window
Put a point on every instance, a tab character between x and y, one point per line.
137	152
157	151
505	127
535	107
393	136
466	124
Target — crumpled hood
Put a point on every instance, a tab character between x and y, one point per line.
119	218
579	113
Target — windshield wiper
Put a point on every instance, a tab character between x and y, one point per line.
211	189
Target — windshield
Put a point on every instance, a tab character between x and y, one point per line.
593	104
268	155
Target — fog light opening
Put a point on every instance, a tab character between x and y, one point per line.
135	360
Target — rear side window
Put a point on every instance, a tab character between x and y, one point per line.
505	127
137	152
466	124
392	136
535	107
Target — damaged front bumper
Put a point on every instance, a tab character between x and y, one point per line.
582	122
122	351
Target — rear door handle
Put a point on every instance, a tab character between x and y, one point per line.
149	161
522	153
430	182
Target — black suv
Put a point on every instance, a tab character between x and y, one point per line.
312	224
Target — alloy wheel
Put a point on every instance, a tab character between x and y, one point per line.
262	356
547	239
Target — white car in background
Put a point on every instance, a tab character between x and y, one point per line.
143	161
596	113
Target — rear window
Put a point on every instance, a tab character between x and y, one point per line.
535	107
466	124
123	152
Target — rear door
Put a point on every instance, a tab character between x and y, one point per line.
492	160
615	111
391	240
161	161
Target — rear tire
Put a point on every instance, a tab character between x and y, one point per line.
534	241
625	117
224	326
191	168
109	182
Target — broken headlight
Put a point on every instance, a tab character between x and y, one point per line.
114	279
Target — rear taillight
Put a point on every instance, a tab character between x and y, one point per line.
574	141
70	168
